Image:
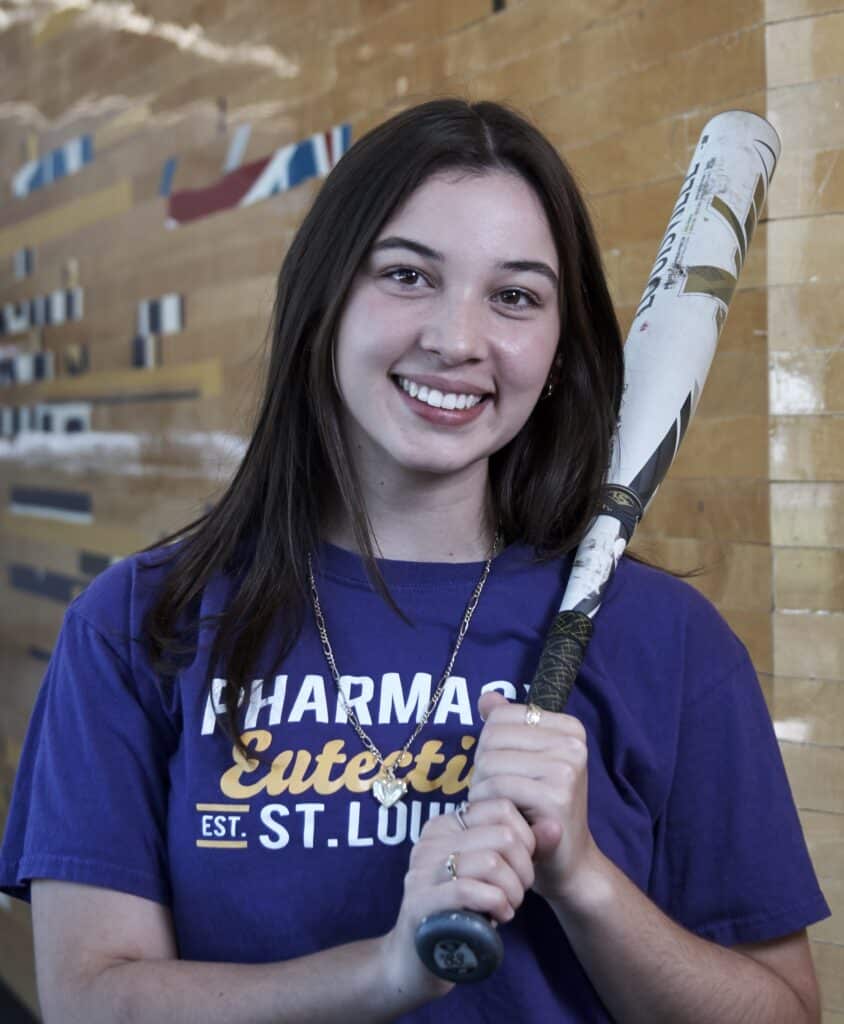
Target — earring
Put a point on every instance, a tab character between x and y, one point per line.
548	390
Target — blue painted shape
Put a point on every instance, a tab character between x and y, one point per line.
302	164
54	586
59	168
42	497
87	149
346	130
168	172
38	179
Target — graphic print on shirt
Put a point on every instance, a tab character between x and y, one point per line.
305	794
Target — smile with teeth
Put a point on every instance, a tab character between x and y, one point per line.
438	399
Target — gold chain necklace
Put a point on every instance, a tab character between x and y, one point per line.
386	788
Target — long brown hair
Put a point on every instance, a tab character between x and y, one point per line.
544	484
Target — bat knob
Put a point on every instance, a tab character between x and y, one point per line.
459	945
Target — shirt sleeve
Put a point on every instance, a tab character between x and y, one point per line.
90	797
732	864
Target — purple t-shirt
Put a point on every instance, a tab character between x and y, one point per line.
129	785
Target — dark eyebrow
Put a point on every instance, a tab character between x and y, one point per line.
396	242
533	265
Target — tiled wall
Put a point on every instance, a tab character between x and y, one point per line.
149	200
804	48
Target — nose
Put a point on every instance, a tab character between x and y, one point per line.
455	330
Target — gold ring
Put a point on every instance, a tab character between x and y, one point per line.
451	866
460	811
533	714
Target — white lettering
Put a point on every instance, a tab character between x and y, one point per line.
281	836
396	836
454	698
311	697
359	703
257	701
355	838
393	700
502	686
309	813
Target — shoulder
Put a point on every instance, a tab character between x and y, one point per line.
117	600
665	619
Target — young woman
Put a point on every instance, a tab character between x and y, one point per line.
237	798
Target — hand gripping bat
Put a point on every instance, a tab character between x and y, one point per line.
667	355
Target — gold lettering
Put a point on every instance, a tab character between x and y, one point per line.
321	776
360	771
295	782
298	771
230	782
451	781
428	756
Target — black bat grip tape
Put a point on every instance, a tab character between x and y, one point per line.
461	945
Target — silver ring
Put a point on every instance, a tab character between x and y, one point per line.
460	811
451	866
533	715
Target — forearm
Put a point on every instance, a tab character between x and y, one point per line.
648	969
323	987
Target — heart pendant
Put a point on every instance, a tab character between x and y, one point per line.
388	790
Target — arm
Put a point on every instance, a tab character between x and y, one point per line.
104	956
649	969
644	966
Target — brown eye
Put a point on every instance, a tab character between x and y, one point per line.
405	275
517	297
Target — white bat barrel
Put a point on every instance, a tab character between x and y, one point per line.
674	333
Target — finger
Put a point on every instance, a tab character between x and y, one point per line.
521	737
535	799
498	811
488	865
488	701
506	713
539	766
465	893
498	843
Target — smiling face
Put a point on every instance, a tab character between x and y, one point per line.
449	330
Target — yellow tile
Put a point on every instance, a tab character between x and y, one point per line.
778	10
808	117
825	839
807	514
65	220
205	377
807	316
515	31
732	576
832	929
807	382
18	969
754	630
807	448
737	385
809	645
808	711
709	509
732	446
407	25
54	25
829	967
804	50
682	81
815	776
806	249
809	578
807	183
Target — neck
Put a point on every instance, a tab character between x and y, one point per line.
430	520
